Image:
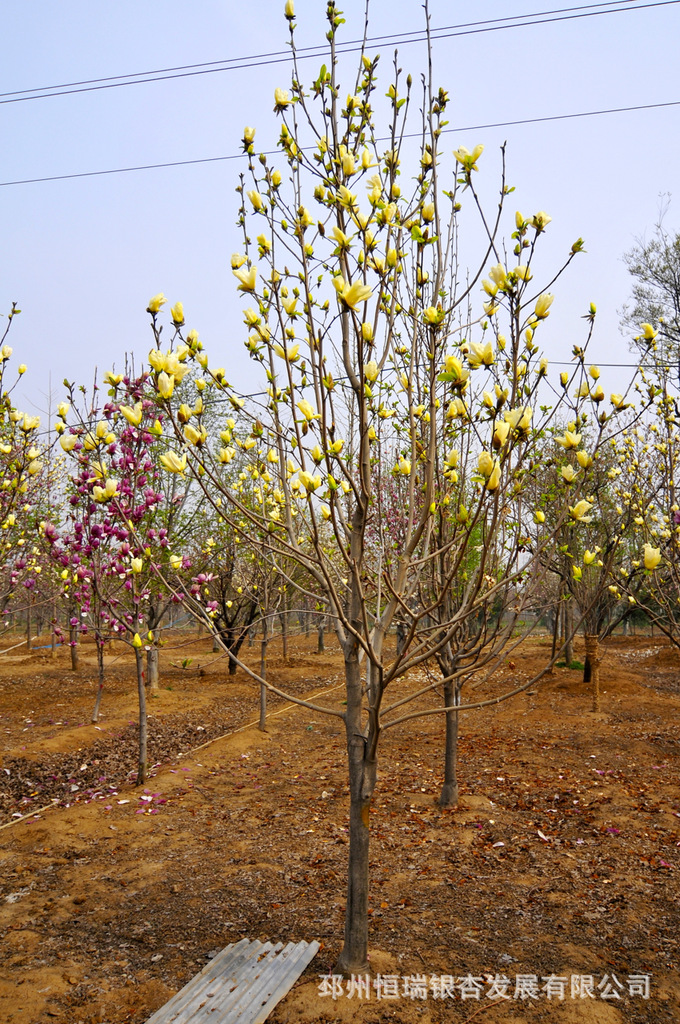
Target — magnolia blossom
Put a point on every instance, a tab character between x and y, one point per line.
68	442
480	355
307	410
569	439
155	303
652	556
132	414
352	294
247	278
173	463
579	511
466	159
309	482
543	304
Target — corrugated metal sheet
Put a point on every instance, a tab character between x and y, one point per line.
241	985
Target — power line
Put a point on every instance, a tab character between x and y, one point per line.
237	156
306	53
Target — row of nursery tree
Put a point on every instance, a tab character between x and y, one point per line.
412	469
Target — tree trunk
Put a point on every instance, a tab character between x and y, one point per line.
73	639
587	670
555	635
141	694
449	793
568	613
401	636
284	630
152	667
320	639
100	680
593	657
53	652
262	724
353	958
28	625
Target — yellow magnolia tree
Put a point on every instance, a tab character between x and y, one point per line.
651	575
21	471
384	363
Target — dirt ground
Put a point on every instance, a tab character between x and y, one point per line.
562	859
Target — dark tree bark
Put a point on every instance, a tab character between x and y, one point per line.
449	793
143	727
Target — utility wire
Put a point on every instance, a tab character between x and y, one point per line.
237	156
306	53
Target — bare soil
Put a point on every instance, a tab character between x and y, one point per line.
563	857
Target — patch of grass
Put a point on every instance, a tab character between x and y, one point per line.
575	666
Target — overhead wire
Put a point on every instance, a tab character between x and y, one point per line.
237	156
350	46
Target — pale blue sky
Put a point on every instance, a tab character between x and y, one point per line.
83	256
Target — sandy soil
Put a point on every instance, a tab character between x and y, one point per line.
562	858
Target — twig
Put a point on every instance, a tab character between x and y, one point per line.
480	1010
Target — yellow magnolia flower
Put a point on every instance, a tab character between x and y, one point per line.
584	459
247	278
453	366
648	332
579	512
307	410
569	439
568	473
137	564
68	442
352	294
519	419
105	493
543	304
137	642
371	371
155	303
404	466
309	482
255	199
486	463
589	557
173	463
494	480
500	434
498	275
468	160
480	355
281	99
539	517
132	414
166	385
291	354
540	221
652	556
